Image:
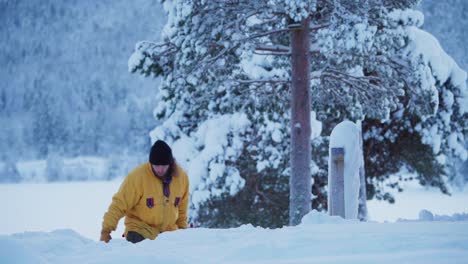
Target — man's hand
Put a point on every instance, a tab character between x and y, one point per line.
105	236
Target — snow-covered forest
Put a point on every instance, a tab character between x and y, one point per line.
66	94
71	110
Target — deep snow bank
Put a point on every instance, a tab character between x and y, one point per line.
319	239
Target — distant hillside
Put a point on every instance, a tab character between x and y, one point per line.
65	87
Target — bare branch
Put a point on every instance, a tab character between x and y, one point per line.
282	50
362	80
264	34
226	50
279	48
273	53
260	81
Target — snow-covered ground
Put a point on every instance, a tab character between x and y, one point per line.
319	239
76	209
415	198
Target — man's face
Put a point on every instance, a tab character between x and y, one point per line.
160	169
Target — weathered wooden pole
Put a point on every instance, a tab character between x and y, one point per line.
300	181
336	186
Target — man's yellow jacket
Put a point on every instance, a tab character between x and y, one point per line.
147	211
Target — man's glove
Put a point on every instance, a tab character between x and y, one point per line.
105	236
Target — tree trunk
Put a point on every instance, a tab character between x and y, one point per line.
300	181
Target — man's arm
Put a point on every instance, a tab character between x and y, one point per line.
125	199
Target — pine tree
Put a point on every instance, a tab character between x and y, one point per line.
225	61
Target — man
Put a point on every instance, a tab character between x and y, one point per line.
153	198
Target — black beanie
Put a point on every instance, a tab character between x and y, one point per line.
161	153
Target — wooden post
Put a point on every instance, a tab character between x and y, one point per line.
336	190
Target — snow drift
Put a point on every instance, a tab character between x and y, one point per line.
319	239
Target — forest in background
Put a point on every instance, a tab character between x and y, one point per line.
65	87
